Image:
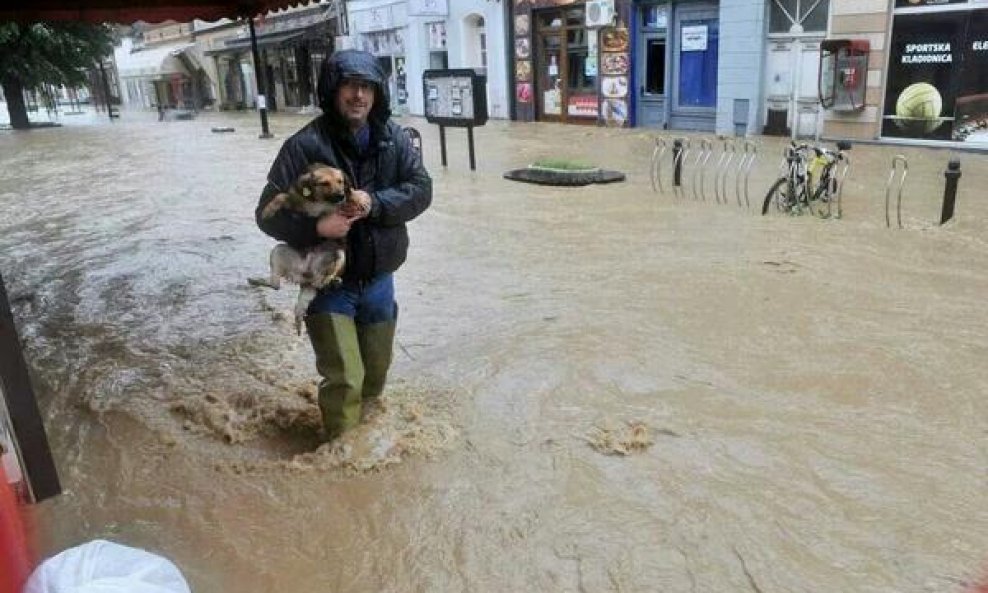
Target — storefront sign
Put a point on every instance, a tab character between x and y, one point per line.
938	77
428	8
694	38
582	106
915	3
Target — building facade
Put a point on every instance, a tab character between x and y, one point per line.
411	36
158	67
721	66
291	43
927	71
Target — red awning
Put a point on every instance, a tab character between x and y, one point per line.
130	11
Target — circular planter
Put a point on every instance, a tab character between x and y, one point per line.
564	177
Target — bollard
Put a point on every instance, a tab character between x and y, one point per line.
952	175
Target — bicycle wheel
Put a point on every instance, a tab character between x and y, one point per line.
779	196
820	202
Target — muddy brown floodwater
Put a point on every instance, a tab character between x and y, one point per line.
597	389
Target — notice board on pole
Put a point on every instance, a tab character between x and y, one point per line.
455	97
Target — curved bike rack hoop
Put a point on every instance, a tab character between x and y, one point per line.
748	155
841	177
702	158
655	171
898	181
723	169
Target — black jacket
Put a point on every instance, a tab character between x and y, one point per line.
390	170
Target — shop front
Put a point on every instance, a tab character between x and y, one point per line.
937	79
571	61
677	60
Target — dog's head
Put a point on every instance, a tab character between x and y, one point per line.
322	183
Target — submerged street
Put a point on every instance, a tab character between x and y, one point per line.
813	391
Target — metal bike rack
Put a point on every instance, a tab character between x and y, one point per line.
681	158
724	169
841	177
655	171
893	175
746	163
702	158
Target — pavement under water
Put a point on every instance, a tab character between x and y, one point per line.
801	400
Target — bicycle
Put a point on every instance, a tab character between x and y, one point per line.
811	181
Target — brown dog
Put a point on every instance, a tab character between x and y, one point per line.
320	190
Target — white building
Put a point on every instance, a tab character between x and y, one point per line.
411	36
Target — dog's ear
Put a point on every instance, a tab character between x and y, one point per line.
305	184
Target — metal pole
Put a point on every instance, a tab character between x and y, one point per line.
677	162
21	405
442	142
953	175
106	90
259	80
473	161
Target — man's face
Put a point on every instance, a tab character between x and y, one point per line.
354	100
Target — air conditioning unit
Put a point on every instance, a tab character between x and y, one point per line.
600	13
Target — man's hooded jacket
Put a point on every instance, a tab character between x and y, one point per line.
389	168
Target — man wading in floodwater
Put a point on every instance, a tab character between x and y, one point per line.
352	326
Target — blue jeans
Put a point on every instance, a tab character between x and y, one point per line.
364	302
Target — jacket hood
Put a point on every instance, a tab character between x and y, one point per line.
352	63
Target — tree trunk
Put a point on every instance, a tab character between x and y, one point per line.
13	91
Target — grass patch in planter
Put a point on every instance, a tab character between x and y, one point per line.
563	172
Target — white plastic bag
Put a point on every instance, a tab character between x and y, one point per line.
105	567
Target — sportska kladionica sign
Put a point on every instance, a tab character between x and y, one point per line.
937	82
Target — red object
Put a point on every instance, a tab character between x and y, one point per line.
130	11
15	560
980	588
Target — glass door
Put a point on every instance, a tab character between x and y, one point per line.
549	63
652	80
566	66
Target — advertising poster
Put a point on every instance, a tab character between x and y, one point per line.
925	63
917	3
971	110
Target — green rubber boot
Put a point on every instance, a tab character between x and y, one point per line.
376	343
334	340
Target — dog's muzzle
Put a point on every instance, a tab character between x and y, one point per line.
337	198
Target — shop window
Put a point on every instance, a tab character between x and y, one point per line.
438	60
438	56
575	17
550	20
474	42
798	16
656	17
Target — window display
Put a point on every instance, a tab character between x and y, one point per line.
937	78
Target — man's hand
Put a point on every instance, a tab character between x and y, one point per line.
358	205
334	225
